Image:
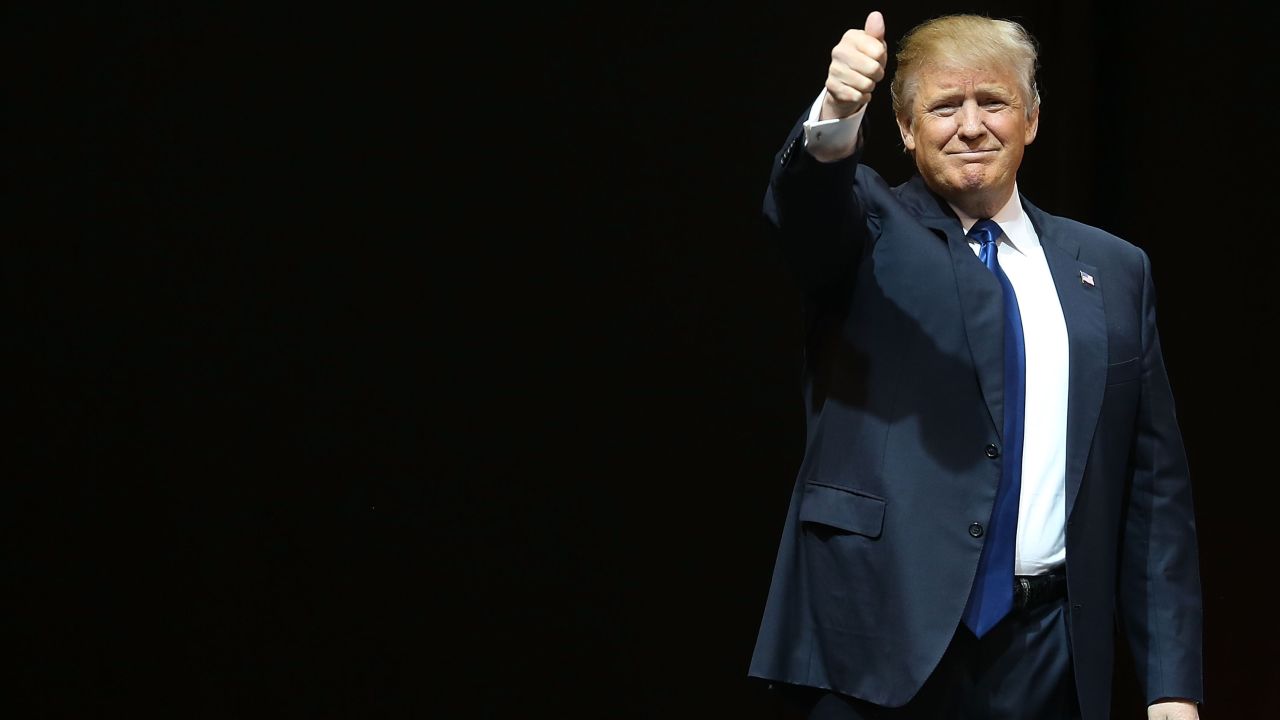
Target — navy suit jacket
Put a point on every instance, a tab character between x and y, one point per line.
903	394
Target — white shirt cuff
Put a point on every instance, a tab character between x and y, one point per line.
831	140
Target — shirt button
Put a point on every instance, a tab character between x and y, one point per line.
993	451
976	530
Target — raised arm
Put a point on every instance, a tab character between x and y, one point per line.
810	201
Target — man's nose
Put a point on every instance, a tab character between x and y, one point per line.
971	120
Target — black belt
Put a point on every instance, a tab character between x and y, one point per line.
1030	591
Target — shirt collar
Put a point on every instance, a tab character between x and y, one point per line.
1011	219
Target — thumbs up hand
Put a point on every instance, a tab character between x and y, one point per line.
857	64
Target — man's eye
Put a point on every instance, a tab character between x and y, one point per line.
993	105
945	110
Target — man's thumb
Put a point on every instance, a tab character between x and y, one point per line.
875	25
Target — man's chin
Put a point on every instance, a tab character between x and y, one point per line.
958	186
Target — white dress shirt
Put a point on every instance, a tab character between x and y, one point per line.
1042	506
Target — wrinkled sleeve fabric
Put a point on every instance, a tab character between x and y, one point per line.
814	215
1159	599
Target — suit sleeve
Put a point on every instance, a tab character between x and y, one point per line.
815	217
1159	586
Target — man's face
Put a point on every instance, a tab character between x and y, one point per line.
967	130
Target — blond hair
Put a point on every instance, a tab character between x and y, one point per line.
970	41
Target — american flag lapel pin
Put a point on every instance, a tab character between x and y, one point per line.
1086	278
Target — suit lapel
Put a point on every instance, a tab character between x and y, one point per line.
981	303
1086	322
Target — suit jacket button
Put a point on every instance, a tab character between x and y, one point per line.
976	530
993	451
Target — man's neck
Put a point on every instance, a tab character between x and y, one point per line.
986	205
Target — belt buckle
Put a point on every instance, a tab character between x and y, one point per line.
1022	593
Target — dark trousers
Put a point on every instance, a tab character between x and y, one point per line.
1020	670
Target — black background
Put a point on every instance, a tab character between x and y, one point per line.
385	363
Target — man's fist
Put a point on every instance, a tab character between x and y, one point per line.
857	64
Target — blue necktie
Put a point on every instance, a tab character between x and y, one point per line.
992	595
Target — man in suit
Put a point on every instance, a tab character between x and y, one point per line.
993	475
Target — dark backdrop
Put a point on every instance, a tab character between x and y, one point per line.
383	363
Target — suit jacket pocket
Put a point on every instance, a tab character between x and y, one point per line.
842	509
1124	371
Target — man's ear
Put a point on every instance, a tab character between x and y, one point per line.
1033	126
904	129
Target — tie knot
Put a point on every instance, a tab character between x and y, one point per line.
985	231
